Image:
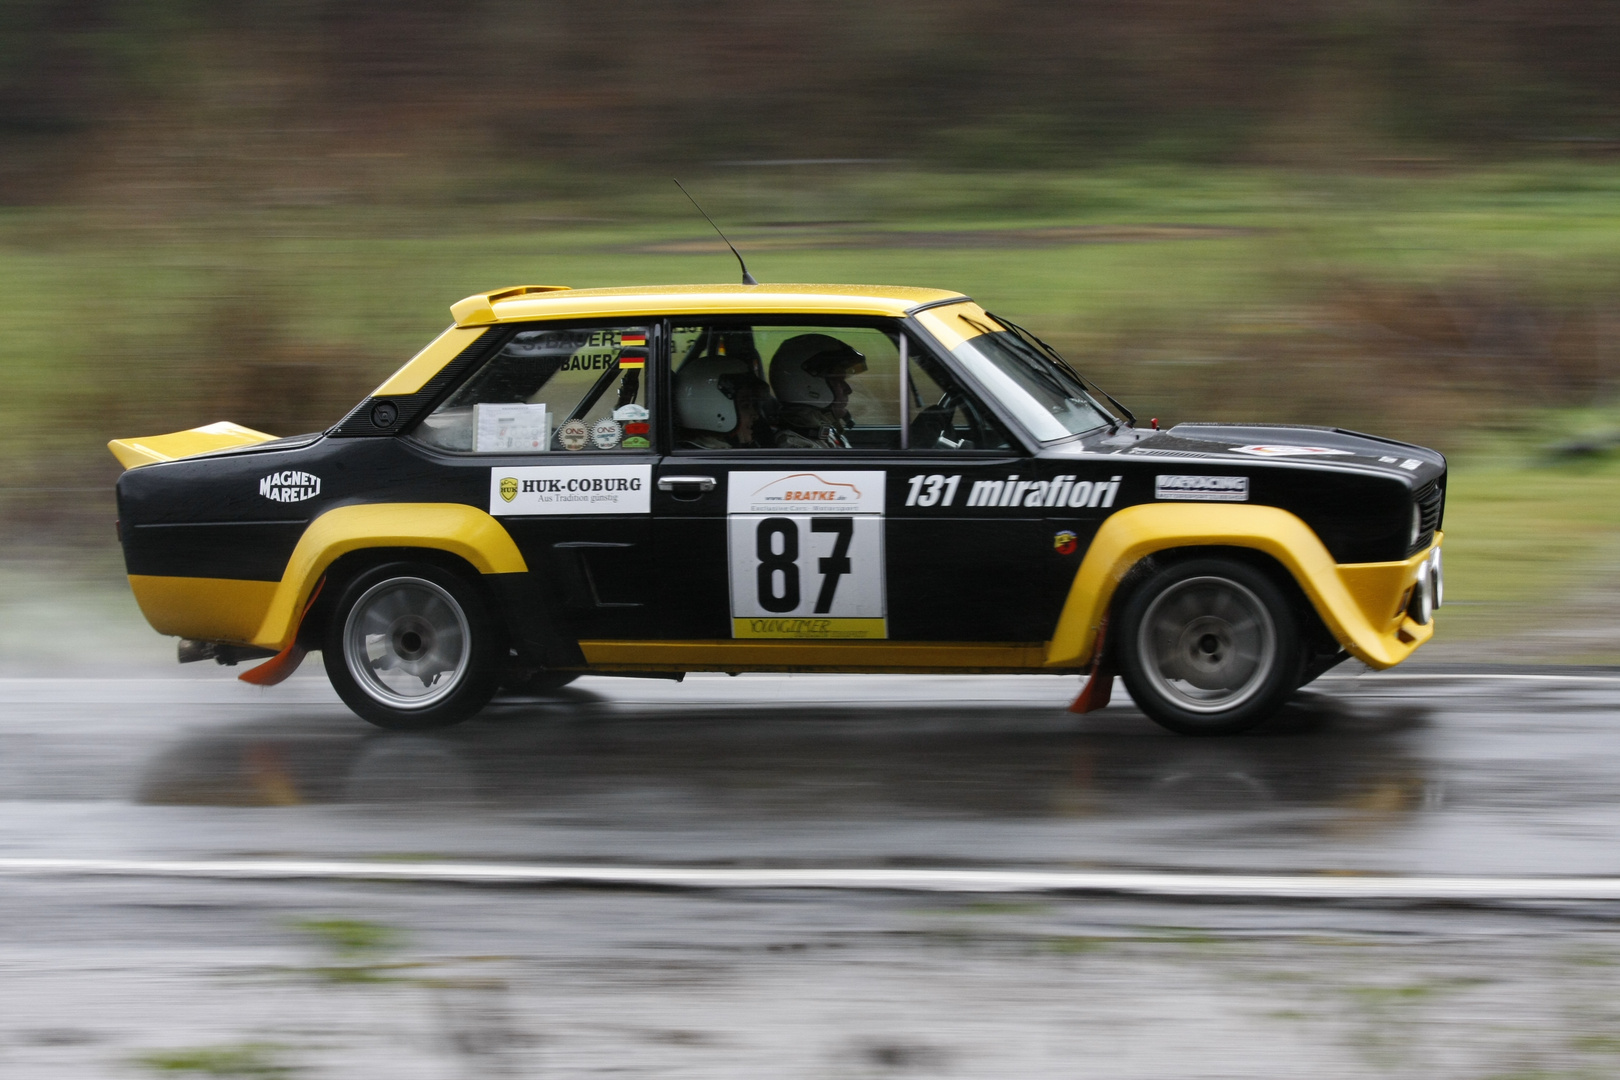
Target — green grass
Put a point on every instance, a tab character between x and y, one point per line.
1533	537
247	1061
351	937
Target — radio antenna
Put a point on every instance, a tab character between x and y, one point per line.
748	279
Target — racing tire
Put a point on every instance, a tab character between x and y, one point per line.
1210	647
540	684
412	646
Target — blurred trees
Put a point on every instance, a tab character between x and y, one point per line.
367	97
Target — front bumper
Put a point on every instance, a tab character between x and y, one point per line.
1390	600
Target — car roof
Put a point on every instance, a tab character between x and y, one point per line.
522	303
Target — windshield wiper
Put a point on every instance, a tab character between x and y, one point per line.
1057	358
1030	361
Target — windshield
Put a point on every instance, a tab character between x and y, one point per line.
1049	401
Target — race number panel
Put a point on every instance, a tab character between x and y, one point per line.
811	568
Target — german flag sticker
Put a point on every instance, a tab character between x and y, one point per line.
631	363
633	339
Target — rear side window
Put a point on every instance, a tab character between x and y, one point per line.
557	389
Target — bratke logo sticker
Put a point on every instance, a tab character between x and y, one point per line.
290	486
569	489
1202	488
805	493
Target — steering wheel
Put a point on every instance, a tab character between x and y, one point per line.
934	428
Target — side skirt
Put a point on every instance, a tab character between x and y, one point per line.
914	657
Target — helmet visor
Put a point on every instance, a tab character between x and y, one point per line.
836	363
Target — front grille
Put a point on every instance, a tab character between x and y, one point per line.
1431	501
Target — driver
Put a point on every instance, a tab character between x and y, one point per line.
719	403
810	377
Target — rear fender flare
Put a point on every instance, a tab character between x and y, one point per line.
464	531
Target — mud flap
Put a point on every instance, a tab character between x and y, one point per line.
284	663
1099	688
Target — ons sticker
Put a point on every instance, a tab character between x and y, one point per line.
571	489
573	434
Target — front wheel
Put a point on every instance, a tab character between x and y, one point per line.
411	646
1210	647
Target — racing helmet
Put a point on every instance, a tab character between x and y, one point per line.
803	364
706	392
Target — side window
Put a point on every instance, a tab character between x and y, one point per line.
552	389
786	386
942	415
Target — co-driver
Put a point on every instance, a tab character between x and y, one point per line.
719	402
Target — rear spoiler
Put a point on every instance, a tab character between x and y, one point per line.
181	444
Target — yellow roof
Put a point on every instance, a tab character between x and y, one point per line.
526	302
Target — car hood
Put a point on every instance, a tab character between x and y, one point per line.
1284	443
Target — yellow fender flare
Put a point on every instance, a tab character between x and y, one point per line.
455	528
1358	602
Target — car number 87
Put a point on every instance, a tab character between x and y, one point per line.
806	565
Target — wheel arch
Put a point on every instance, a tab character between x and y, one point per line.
351	564
1319	637
1352	608
351	536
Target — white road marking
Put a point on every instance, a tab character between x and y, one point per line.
1151	884
1385	676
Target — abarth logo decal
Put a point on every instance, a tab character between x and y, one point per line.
290	486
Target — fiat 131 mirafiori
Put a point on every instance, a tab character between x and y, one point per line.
789	478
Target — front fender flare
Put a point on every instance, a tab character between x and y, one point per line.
454	528
1357	602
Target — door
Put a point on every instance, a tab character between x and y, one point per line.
792	508
557	426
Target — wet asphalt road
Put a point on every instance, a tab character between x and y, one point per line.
1449	774
1484	773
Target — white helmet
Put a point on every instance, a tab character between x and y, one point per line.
705	393
802	365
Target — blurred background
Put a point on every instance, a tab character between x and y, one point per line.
1388	215
1398	216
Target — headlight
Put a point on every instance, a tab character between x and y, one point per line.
1421	609
1427	590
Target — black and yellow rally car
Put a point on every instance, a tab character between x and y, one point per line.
654	481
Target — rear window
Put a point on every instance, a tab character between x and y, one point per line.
557	389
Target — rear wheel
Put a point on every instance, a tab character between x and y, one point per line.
412	646
1210	647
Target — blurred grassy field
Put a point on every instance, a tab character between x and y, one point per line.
1472	310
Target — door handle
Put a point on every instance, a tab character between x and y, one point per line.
685	484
